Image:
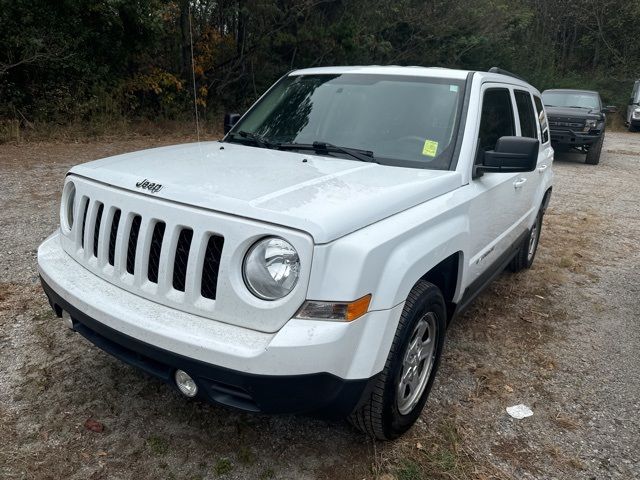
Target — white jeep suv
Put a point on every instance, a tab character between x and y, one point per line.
313	258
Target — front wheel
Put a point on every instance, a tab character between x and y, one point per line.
403	386
593	154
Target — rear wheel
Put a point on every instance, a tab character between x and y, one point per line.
403	386
527	251
593	154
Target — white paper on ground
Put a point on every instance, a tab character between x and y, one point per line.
519	411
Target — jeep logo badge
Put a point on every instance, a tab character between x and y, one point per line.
146	185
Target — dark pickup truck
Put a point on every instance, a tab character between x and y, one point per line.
577	121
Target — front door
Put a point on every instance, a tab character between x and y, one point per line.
496	214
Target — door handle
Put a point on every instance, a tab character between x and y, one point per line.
542	168
519	183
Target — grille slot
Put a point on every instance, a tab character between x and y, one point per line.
113	236
85	209
133	243
210	266
154	251
96	229
181	259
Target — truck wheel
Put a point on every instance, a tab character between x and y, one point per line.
402	388
527	251
631	127
593	154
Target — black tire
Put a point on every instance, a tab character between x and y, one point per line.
593	154
632	128
525	257
378	415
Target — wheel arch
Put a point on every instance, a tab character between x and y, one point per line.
546	199
447	276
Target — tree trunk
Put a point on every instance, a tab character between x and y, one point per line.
185	40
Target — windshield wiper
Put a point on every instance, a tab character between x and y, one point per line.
259	140
320	147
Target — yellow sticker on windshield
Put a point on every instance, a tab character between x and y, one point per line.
430	148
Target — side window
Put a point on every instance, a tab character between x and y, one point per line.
526	114
496	118
542	118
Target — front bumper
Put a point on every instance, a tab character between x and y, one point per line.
569	138
306	366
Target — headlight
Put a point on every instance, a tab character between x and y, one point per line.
636	113
66	206
271	268
591	123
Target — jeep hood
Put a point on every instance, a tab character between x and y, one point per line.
327	197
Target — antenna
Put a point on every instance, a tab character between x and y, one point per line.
193	75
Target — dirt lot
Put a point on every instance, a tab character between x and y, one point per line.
562	338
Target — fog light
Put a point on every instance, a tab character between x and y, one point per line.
66	318
186	384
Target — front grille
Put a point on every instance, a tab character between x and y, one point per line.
144	243
566	122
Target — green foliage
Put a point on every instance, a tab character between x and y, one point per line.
223	466
409	470
82	60
158	445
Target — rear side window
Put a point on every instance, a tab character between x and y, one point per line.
542	119
497	117
526	114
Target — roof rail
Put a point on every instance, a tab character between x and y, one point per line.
506	72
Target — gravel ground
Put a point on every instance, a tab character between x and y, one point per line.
562	338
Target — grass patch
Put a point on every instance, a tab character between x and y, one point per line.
245	456
223	466
158	445
107	128
409	470
267	474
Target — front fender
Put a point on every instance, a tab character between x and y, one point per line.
387	258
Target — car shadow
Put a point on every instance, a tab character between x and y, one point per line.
569	157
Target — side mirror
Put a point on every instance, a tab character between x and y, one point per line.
610	109
230	119
631	101
511	154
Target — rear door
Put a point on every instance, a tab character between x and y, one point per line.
531	184
546	154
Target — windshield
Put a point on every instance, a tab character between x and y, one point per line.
402	120
571	99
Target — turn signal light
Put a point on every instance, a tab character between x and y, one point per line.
337	311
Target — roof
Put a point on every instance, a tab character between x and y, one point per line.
415	71
570	90
387	70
